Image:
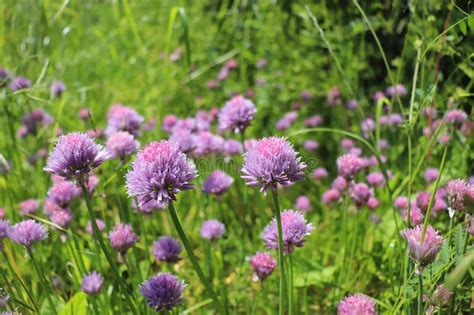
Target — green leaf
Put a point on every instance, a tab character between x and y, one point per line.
458	244
77	305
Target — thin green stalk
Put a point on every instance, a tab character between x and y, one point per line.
280	252
290	285
98	238
194	262
420	294
42	279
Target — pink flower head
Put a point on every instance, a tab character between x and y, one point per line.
303	204
212	230
232	147
311	145
169	122
320	173
218	182
185	140
375	179
458	193
347	144
334	96
339	183
416	216
349	165
294	227
123	118
61	217
456	116
122	237
423	252
121	145
262	264
62	193
84	113
27	232
313	121
360	194
373	203
331	196
378	96
357	304
306	95
352	104
100	226
236	114
431	174
401	202
29	206
270	162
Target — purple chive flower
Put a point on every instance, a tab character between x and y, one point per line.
232	147
207	143
282	124
360	194
306	95
262	264
303	204
150	124
331	196
352	104
311	145
4	77
92	283
74	155
58	88
4	227
29	206
458	191
320	173
398	89
347	144
27	232
212	230
339	183
236	114
334	96
185	139
395	119
62	193
19	83
348	165
84	114
378	96
424	252
423	200
159	172
122	237
121	145
167	249
401	202
313	121
61	217
2	213
212	84
100	226
123	118
270	162
146	208
416	216
375	179
294	227
357	304
163	291
456	116
373	203
218	182
367	126
261	63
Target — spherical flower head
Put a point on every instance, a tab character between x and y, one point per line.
163	291
375	179
320	173
339	183
236	114
19	83
313	121
185	140
27	232
167	249
458	191
5	76
348	165
306	95
282	124
2	213
61	217
424	252
232	147
122	237
360	194
159	172
294	227
416	215
395	119
207	143
4	227
100	226
212	230
62	193
121	144
303	204
123	118
272	162
262	264
352	104
423	200
378	96
311	145
334	96
331	196
373	203
74	155
357	304
347	144
29	206
431	174
401	202
456	116
367	125
218	182
92	283
58	88
84	114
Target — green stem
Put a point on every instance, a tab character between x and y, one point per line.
98	237
280	252
290	285
42	279
194	262
420	294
